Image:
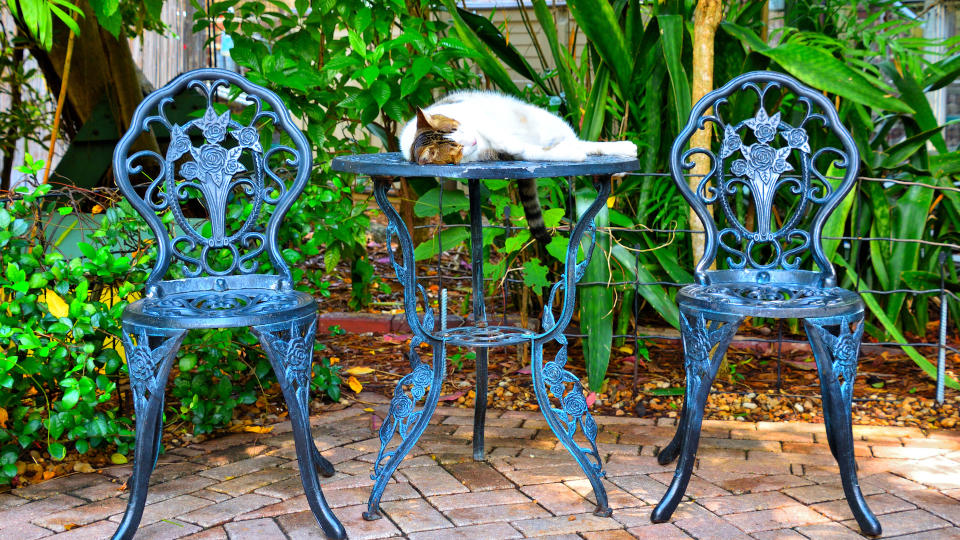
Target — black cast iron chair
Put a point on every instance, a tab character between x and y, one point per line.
771	194
210	161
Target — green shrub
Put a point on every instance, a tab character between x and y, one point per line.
62	370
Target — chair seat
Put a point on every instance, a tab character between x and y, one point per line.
775	300
220	309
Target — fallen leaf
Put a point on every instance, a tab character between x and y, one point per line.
334	360
626	349
524	371
48	475
359	370
368	409
3	417
591	398
258	429
396	338
354	384
82	467
118	459
68	526
453	396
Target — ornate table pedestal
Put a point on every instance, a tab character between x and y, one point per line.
559	393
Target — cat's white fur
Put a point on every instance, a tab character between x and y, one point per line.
492	123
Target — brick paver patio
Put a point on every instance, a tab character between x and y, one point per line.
753	480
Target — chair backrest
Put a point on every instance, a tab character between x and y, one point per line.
771	190
211	161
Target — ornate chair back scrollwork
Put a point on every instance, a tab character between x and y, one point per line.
214	199
774	177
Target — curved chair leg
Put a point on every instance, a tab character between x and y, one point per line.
149	366
323	466
404	420
552	376
289	346
670	452
836	357
702	334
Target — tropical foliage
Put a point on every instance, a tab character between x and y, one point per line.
634	80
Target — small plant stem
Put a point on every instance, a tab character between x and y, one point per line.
60	100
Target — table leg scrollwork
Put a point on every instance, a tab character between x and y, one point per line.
552	375
424	381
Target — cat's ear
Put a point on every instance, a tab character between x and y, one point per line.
423	120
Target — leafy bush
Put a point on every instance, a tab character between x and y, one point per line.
62	370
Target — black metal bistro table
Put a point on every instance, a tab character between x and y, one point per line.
567	408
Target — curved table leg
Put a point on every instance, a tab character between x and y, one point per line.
404	421
551	375
149	366
836	357
289	346
566	388
702	333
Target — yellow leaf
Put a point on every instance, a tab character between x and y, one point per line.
359	370
626	349
3	417
334	360
58	308
368	409
258	429
48	474
97	209
117	458
610	201
354	384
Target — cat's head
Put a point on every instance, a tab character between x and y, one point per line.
439	140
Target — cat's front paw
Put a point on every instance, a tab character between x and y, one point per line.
623	149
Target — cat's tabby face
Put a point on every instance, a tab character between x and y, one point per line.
432	144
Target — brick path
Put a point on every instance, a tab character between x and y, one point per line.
753	480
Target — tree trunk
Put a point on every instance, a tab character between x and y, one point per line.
102	67
706	18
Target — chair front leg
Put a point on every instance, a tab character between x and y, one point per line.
289	347
706	337
836	356
148	362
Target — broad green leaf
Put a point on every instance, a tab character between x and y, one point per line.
57	451
821	70
450	238
560	56
487	62
671	37
488	33
891	327
535	275
599	22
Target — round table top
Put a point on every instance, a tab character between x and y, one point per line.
392	165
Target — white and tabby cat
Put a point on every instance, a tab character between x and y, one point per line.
486	126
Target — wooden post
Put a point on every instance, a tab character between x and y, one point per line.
706	18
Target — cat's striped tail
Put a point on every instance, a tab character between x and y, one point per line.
527	190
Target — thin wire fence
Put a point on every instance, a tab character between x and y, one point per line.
935	350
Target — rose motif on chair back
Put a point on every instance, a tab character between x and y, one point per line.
772	192
210	162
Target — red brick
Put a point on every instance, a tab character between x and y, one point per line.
558	499
414	515
776	518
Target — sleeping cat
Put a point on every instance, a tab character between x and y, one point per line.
485	126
